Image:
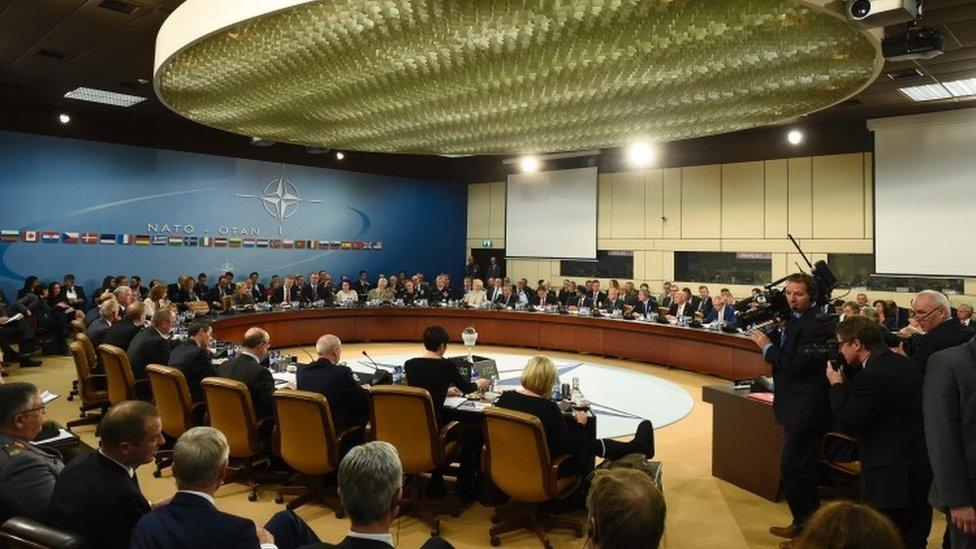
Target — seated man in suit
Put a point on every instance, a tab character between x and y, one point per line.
409	294
191	519
704	304
203	288
348	402
542	298
362	286
122	333
613	301
679	307
629	294
247	368
371	489
594	297
193	358
441	291
27	472
286	293
257	289
108	314
216	295
74	295
646	303
151	345
721	312
507	300
97	495
314	290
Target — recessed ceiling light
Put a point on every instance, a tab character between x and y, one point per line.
529	164
795	137
63	118
104	97
340	156
961	88
640	155
926	92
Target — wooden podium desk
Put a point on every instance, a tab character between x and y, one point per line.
746	441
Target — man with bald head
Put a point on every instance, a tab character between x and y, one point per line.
123	332
932	313
247	369
348	401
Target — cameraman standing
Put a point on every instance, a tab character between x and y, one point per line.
882	407
801	404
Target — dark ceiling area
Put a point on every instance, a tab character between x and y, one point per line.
50	47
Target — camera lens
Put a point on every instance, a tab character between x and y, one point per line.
860	8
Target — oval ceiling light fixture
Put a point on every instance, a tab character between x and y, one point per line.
529	164
504	76
64	118
641	154
795	137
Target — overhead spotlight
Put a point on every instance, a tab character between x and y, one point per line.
529	164
259	142
340	156
640	155
63	118
795	137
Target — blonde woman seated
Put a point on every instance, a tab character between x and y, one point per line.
157	301
242	295
477	296
538	379
381	292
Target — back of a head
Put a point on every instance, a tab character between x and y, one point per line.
197	457
369	476
108	308
848	525
135	311
626	510
125	422
254	337
434	337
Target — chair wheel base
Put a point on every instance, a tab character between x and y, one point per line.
495	540
70	398
435	533
157	473
252	497
279	499
341	514
495	519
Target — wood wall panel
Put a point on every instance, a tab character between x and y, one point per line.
800	197
838	196
701	200
743	200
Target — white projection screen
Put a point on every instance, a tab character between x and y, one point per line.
551	214
925	194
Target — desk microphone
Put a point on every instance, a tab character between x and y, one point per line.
376	367
379	377
304	350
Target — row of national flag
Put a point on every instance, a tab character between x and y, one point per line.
122	239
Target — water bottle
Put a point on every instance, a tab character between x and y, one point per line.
398	375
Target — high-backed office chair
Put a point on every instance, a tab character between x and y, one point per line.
122	384
199	307
25	533
93	398
93	365
840	466
175	406
404	417
231	411
78	326
309	445
516	459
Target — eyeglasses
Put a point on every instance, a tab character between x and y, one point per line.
40	410
917	315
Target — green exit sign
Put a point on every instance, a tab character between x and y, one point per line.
486	243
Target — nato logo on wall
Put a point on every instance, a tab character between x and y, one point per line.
116	209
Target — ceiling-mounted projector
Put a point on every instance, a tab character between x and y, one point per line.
882	13
917	43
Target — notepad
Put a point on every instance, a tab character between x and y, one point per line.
63	434
48	396
454	402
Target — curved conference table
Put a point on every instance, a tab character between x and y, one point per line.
724	355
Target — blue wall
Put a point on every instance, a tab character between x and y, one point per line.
65	185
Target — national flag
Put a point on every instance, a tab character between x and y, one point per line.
357	245
261	243
301	244
159	240
206	241
275	243
346	245
30	236
107	238
89	238
377	245
125	239
334	245
248	243
367	245
220	242
174	240
70	238
235	241
287	244
313	244
143	240
50	237
190	240
9	236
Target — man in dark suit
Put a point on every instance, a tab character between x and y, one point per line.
613	301
287	292
964	314
247	368
108	314
645	303
882	408
594	297
27	472
191	520
151	345
17	331
494	269
371	489
123	332
74	295
950	433
97	495
542	298
193	358
932	313
721	311
472	270
507	300
494	291
348	402
441	291
257	289
215	296
362	286
314	291
704	304
801	405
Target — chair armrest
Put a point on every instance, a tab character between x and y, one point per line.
554	472
89	383
349	431
845	466
448	431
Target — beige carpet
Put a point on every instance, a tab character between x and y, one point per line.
702	510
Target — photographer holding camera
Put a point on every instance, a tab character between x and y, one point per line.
882	407
801	405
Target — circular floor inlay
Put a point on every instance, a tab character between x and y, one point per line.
620	398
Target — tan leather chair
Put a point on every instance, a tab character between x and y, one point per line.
231	411
516	459
309	445
93	365
122	384
175	406
404	417
25	533
78	326
93	398
199	307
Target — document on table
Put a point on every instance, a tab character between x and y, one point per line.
63	434
454	402
48	396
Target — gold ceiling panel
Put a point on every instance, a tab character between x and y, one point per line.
510	76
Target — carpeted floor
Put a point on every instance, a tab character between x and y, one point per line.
702	510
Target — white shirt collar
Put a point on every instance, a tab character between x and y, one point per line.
203	495
129	470
376	537
252	355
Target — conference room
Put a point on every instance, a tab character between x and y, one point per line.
317	273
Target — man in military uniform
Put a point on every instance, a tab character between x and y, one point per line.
27	472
